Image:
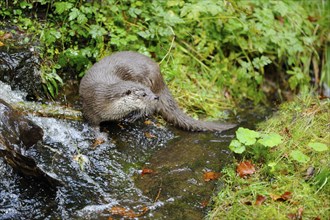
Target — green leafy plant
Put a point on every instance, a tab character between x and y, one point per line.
318	146
51	80
254	142
299	156
303	158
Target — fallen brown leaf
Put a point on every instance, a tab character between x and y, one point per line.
127	213
208	176
322	96
6	36
260	199
284	197
204	203
314	109
245	168
274	197
291	216
300	212
280	19
296	216
117	210
144	210
312	18
287	132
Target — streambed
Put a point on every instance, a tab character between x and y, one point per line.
105	181
143	170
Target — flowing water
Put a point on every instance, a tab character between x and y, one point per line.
143	170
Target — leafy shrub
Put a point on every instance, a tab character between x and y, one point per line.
204	46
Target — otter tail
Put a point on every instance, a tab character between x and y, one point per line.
170	111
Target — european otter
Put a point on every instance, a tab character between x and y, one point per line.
127	82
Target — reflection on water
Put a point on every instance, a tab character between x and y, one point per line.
179	168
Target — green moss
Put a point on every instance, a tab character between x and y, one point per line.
304	120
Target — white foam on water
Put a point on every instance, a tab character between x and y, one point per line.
9	95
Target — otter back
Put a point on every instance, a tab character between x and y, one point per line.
126	82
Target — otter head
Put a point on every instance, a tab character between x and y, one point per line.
126	97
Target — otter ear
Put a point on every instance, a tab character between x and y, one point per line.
128	92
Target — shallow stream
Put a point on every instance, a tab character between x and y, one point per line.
143	170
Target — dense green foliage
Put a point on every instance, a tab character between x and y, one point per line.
245	49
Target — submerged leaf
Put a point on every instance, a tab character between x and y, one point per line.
117	210
126	212
147	171
208	176
98	142
121	211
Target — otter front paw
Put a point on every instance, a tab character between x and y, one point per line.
133	116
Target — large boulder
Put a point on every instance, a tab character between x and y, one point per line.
17	135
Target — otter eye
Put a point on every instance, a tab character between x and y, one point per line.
144	94
128	92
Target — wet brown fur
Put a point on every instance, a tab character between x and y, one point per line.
128	81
